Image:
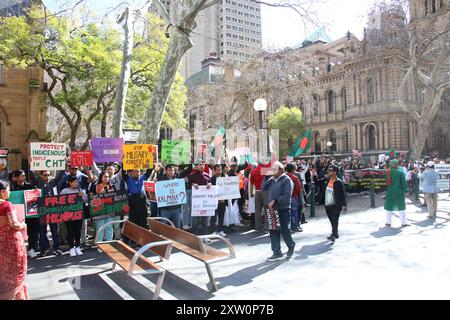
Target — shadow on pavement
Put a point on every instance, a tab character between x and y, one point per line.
386	232
92	287
246	275
313	250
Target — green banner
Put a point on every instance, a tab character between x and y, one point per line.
17	197
108	205
176	152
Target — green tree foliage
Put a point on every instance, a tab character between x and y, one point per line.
83	63
290	122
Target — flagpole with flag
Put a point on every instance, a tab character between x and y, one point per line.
302	145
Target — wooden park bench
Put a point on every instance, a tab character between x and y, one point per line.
132	261
193	245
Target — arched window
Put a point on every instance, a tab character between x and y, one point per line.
330	99
317	145
426	7
315	104
370	91
371	135
344	99
333	139
433	6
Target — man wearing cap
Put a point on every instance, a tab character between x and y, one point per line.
280	189
429	180
396	193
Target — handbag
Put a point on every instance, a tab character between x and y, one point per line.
273	219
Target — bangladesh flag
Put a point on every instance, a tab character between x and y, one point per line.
218	140
392	154
302	144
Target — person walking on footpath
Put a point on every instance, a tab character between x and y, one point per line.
396	194
335	200
280	189
430	179
13	252
295	199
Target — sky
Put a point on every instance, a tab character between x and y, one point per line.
281	27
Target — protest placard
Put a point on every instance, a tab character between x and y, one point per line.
170	193
107	149
204	199
81	158
68	207
108	205
137	156
48	156
228	188
150	190
203	213
176	152
443	169
31	203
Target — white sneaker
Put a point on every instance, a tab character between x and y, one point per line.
207	241
222	234
32	254
72	252
78	251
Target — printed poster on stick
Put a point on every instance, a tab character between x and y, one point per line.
107	149
108	205
228	188
68	207
204	201
150	190
170	193
138	156
48	156
31	203
176	152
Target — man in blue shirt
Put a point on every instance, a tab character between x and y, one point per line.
430	179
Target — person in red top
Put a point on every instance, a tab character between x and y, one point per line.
295	200
256	181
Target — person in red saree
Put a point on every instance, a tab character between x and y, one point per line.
13	253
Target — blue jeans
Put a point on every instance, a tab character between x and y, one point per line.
173	215
295	204
285	232
43	240
108	233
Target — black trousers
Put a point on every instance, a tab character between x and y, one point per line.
32	232
138	210
333	213
220	214
74	233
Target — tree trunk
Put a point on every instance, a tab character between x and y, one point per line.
419	142
122	90
178	45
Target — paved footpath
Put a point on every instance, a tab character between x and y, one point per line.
369	261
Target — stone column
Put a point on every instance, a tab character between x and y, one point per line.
386	135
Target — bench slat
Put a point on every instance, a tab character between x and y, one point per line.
123	254
144	236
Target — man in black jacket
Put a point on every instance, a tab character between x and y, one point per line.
335	200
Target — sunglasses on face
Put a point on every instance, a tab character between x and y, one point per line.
46	175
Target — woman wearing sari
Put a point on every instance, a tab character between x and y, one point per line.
13	254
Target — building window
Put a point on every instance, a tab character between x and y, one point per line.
330	98
333	140
426	7
317	146
315	105
346	140
344	99
370	91
433	6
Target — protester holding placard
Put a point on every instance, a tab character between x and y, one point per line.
32	223
173	213
74	227
13	253
48	186
104	186
83	180
221	208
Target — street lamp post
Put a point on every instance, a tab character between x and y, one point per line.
329	145
260	106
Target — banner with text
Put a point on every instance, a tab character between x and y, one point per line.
108	205
204	201
68	207
81	158
150	190
228	188
170	193
31	203
137	156
107	149
47	156
176	152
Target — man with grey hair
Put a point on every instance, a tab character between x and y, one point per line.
280	188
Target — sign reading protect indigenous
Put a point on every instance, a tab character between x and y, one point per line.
81	158
204	199
228	188
137	156
170	193
31	203
48	156
176	152
68	207
107	149
108	205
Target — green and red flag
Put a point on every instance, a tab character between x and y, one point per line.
392	154
302	144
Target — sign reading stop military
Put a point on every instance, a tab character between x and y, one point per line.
137	156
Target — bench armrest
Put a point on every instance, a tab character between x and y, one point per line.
103	227
145	248
161	218
227	242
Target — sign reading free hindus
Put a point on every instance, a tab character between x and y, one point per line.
137	156
68	207
47	156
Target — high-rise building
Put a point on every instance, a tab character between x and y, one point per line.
230	28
